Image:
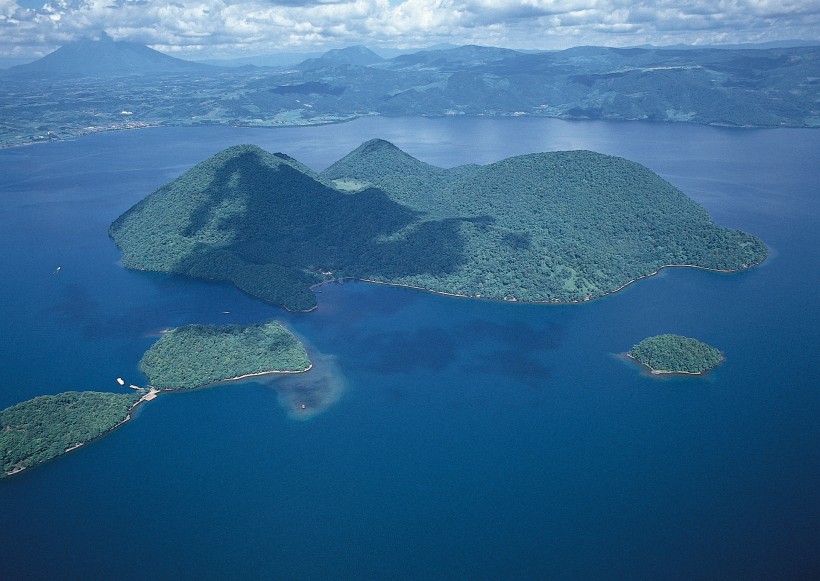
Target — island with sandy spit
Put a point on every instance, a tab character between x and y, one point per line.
48	426
565	226
675	354
197	355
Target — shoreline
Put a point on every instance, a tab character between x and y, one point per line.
85	131
236	378
523	301
660	373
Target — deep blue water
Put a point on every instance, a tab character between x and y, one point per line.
474	440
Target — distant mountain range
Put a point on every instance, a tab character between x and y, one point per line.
772	87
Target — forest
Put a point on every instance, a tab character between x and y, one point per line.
675	354
45	427
197	355
547	227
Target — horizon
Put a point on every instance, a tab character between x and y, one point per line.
31	29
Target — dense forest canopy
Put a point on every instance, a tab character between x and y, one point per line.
44	427
196	355
675	354
553	227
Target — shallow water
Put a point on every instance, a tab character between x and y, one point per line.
471	439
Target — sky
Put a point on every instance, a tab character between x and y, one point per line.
234	28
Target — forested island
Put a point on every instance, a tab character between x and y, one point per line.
50	425
675	354
197	355
546	227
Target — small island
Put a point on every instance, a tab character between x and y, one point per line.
198	355
47	426
675	354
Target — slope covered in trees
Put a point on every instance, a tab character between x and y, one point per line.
675	354
560	227
45	427
196	355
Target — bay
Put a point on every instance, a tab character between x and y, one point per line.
472	439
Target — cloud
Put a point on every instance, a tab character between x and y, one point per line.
231	27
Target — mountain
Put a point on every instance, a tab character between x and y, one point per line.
549	227
353	55
105	58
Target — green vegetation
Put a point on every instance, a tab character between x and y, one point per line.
196	355
553	227
676	354
45	427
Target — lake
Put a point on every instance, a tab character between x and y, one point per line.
472	439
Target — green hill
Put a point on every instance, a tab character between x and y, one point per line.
560	227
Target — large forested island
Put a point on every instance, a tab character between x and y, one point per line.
675	354
197	355
548	227
50	425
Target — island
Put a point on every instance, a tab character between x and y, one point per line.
47	426
197	355
675	354
557	227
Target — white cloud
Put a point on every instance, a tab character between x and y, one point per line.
230	27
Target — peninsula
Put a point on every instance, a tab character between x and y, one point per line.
675	354
198	355
555	227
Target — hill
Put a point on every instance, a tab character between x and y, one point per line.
558	227
352	55
105	58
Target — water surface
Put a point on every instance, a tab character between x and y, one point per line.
473	439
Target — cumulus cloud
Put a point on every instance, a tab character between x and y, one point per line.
231	27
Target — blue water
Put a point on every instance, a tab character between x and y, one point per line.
474	440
